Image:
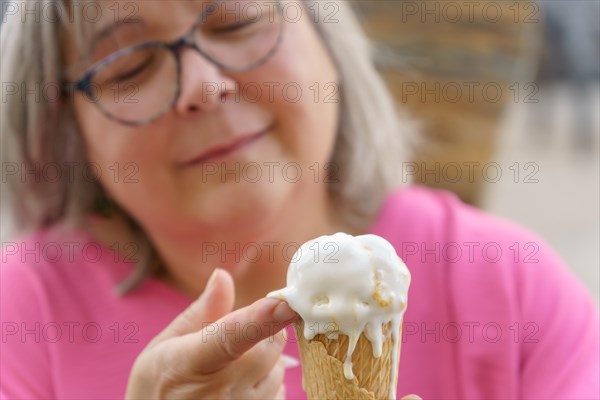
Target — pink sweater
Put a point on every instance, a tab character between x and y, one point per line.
492	312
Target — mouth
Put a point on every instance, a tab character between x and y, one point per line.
225	149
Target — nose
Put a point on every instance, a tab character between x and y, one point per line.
203	87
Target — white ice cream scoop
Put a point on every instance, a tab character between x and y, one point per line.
343	284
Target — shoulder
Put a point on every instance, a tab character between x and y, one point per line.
471	268
438	213
437	225
57	263
468	249
59	309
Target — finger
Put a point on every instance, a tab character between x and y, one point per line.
257	363
216	301
219	300
270	386
411	397
280	393
230	337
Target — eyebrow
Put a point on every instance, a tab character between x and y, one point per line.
109	29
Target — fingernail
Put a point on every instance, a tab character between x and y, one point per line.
282	312
284	335
289	361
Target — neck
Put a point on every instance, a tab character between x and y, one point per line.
257	259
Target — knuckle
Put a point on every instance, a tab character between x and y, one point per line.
188	315
261	359
227	349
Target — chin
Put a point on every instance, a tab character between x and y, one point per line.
245	210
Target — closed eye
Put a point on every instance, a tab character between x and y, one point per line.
232	27
133	72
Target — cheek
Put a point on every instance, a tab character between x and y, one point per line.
105	143
306	95
127	160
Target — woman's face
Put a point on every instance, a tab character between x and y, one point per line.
227	157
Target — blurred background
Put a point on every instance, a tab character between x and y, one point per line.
507	94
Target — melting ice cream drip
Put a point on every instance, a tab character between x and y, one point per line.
349	285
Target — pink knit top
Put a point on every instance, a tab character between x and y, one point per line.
492	312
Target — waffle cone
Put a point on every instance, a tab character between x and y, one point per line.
322	362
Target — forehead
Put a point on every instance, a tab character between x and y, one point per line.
91	21
163	15
164	10
155	11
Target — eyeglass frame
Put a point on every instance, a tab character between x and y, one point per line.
85	84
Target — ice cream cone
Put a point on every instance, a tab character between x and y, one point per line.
323	367
360	296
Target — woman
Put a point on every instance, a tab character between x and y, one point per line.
223	134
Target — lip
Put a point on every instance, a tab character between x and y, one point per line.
225	149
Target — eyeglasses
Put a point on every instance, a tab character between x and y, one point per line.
139	84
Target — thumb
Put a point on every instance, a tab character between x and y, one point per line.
227	339
215	302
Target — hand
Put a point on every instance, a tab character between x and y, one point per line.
208	351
